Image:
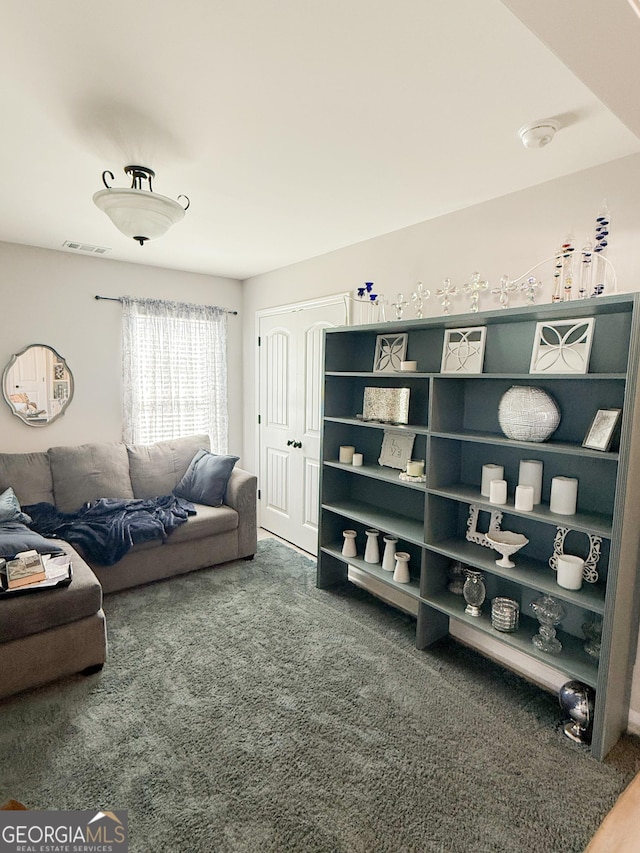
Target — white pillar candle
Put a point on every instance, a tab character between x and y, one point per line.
415	467
490	472
524	498
346	453
531	475
570	571
498	492
357	459
564	495
409	366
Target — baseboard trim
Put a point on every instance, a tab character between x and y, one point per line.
633	722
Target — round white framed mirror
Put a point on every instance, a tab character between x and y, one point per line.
37	385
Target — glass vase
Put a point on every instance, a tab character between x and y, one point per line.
474	592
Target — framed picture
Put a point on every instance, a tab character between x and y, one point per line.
602	429
562	346
463	350
386	405
390	353
475	535
396	449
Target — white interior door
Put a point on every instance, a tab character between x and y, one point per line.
290	411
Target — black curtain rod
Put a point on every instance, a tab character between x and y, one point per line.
119	299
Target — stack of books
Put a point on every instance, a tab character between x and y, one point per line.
30	570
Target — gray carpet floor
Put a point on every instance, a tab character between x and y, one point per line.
242	709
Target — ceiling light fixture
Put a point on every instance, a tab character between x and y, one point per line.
538	133
635	5
136	212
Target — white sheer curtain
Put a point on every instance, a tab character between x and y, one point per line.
174	358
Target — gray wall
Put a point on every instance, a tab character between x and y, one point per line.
47	298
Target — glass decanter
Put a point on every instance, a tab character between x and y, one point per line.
549	613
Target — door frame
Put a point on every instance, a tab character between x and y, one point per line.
268	312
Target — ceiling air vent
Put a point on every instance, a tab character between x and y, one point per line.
85	247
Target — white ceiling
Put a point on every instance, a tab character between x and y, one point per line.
299	126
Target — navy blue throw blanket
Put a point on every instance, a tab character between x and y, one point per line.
107	528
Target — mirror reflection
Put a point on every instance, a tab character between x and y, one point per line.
37	385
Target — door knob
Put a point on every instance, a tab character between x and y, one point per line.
291	442
297	444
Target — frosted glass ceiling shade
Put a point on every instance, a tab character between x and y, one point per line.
139	213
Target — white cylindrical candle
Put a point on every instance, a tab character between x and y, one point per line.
531	475
498	492
490	472
409	366
415	467
357	459
570	571
564	495
346	453
524	498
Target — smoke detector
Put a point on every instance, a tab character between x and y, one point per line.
538	133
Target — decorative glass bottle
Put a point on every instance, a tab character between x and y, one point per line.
372	550
389	555
549	612
474	592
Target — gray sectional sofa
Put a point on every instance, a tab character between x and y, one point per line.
57	632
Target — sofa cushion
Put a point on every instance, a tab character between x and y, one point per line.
10	508
208	521
29	475
206	478
88	472
22	615
16	536
156	468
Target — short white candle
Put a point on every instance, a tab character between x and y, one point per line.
409	366
346	453
570	571
415	467
564	495
498	492
524	498
490	472
357	459
531	475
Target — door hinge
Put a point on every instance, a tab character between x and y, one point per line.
259	419
259	341
259	494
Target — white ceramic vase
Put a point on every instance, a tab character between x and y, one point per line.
389	555
372	549
349	546
401	571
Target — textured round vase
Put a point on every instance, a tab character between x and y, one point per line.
474	592
527	413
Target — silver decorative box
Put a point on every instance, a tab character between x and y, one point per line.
387	405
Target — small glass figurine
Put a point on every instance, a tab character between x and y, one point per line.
418	297
473	288
529	287
400	304
445	293
549	613
503	290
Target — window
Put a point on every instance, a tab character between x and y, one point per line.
174	371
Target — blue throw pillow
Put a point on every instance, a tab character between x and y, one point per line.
16	537
205	480
10	508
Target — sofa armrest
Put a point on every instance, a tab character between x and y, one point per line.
241	495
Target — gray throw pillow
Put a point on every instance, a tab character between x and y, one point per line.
10	508
206	478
